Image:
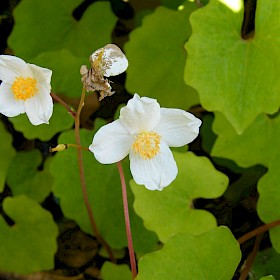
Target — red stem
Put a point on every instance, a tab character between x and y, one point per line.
258	231
83	181
59	100
250	260
127	223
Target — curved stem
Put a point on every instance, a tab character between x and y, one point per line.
250	260
59	100
83	181
258	231
127	223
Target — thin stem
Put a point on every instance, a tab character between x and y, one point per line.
198	3
250	260
62	147
127	223
68	108
258	231
83	181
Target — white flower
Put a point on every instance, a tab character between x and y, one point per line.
145	132
26	89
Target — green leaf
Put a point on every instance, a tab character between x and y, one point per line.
185	256
34	32
111	271
269	200
235	76
157	58
104	192
25	178
59	121
30	244
7	153
170	211
270	277
255	146
266	262
66	77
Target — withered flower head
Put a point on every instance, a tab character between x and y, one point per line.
105	62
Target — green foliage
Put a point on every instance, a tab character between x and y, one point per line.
25	178
270	277
197	178
234	76
111	271
161	59
268	204
185	256
104	193
266	262
37	32
58	122
255	146
7	153
30	244
66	78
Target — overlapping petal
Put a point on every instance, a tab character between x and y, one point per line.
155	173
42	75
12	66
9	106
111	143
177	127
40	107
140	114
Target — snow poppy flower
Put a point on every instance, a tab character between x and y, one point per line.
145	132
25	88
105	62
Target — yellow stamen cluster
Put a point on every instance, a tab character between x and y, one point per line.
147	145
24	88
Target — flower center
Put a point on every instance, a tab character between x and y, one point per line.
147	145
24	88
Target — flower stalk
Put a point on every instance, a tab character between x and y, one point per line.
127	223
83	181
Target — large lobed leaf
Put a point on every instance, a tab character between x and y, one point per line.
30	244
257	145
25	178
51	26
234	76
171	211
212	255
156	55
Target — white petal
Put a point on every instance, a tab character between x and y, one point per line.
11	67
9	106
156	173
117	58
42	75
140	114
177	127
111	143
40	107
